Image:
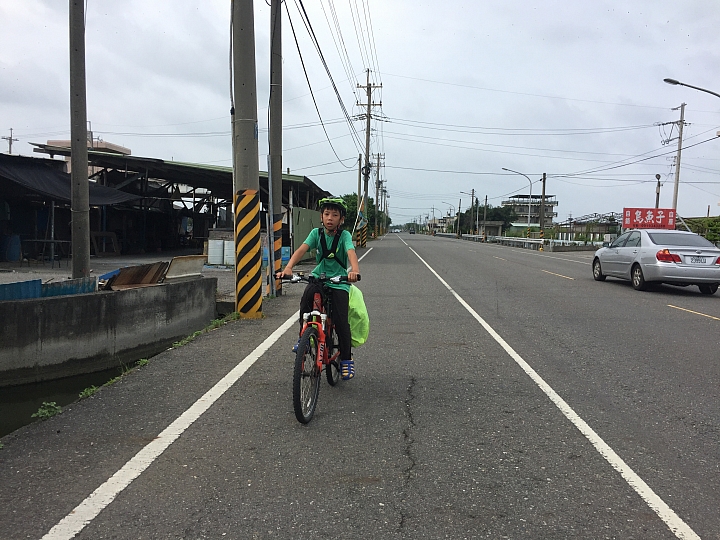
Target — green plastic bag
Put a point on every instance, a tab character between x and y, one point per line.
358	317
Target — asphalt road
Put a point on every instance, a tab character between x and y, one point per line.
502	394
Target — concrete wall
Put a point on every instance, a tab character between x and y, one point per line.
48	338
559	247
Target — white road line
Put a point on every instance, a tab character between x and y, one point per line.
533	252
671	519
89	509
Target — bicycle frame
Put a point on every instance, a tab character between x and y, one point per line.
319	319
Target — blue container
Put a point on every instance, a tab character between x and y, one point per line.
10	249
71	286
22	290
285	253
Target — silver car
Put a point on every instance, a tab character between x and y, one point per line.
646	256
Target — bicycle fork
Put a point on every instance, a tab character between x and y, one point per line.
320	327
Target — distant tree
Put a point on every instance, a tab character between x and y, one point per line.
500	213
352	203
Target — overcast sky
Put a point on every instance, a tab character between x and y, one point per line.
572	89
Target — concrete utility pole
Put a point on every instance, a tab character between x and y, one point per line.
542	204
246	171
457	225
484	218
275	142
366	168
10	141
677	160
80	192
378	206
472	208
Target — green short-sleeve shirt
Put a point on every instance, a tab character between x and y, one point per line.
330	266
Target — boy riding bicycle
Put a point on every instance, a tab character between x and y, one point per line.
335	251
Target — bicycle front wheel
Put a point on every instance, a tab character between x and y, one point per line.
306	377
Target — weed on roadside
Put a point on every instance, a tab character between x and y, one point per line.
47	410
89	391
217	323
113	380
142	362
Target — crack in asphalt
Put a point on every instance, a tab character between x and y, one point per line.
409	442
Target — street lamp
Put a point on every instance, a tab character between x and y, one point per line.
528	178
453	209
680	126
675	82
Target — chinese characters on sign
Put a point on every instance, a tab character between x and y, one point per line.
648	218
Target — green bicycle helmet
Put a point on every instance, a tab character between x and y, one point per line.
334	202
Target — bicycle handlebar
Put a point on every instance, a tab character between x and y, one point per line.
297	278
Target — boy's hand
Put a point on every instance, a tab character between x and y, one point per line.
353	277
284	273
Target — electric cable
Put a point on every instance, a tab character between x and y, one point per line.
307	78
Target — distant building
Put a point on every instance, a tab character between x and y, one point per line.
522	204
95	144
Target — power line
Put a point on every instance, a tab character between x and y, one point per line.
316	43
532	95
307	78
344	56
514	131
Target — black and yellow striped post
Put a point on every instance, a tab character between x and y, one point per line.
363	236
542	238
248	258
277	250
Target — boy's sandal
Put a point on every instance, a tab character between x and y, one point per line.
347	369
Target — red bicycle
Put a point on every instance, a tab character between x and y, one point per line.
318	350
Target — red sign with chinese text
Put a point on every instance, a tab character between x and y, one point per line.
648	218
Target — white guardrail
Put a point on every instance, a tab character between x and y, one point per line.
515	241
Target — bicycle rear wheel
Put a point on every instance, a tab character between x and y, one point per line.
332	370
306	377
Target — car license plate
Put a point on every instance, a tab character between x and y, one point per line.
698	260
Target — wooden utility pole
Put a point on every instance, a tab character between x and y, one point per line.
275	143
246	171
80	191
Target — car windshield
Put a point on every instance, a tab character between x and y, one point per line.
679	239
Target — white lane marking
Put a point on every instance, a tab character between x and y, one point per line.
364	254
671	519
88	510
533	252
499	258
558	275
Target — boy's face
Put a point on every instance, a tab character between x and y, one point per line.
332	219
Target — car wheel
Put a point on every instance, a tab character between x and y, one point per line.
638	279
597	271
708	289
